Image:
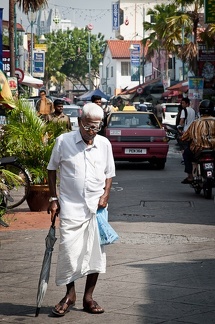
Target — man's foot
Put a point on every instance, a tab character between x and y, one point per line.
63	306
92	307
187	181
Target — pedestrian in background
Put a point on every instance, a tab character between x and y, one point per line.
58	116
142	107
97	99
188	114
86	165
44	106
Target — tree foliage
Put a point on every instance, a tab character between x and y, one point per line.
175	29
67	54
161	37
30	5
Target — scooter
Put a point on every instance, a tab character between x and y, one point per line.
204	173
172	131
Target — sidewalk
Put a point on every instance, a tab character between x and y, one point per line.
156	273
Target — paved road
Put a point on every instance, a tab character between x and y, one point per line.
160	271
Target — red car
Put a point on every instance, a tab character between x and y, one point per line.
137	136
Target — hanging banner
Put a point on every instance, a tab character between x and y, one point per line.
195	85
166	82
115	16
1	37
135	62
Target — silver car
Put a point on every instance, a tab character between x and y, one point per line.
73	111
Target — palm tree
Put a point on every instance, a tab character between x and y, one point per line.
26	6
189	20
161	38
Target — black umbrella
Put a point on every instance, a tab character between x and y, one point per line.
45	271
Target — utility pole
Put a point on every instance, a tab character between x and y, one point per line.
89	55
182	31
11	37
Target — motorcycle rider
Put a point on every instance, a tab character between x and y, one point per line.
201	135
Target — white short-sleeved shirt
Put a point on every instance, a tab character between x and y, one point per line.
83	171
191	115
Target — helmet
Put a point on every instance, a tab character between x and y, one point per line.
206	107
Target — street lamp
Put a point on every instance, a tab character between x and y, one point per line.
32	20
89	56
104	81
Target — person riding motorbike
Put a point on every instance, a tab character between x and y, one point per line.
201	135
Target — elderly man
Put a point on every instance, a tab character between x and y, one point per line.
86	166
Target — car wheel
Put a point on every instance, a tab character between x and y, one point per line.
207	192
197	190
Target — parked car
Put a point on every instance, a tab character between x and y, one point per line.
137	136
170	112
149	105
73	111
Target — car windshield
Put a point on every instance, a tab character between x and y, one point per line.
140	120
71	112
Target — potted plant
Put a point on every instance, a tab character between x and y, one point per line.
31	140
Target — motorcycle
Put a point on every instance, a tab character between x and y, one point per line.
172	132
204	173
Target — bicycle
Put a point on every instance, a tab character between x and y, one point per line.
14	183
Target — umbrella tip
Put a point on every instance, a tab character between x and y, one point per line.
37	311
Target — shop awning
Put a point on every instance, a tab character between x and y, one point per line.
32	82
171	93
181	86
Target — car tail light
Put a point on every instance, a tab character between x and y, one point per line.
158	139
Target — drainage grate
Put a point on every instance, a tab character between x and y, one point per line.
166	203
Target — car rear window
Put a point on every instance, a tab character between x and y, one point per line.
71	112
171	109
133	121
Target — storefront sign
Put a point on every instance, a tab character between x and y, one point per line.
195	85
115	16
1	34
38	64
6	61
209	6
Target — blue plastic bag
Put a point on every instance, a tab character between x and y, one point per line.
107	233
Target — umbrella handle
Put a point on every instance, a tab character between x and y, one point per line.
53	222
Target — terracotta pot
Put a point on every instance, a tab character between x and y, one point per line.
38	198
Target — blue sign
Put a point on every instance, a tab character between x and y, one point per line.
135	62
115	16
136	49
38	64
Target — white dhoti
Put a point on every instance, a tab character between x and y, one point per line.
83	173
80	252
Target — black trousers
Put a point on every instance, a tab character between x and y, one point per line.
188	156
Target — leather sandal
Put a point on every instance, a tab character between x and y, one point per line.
92	307
63	306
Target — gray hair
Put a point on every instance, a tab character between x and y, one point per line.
92	110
